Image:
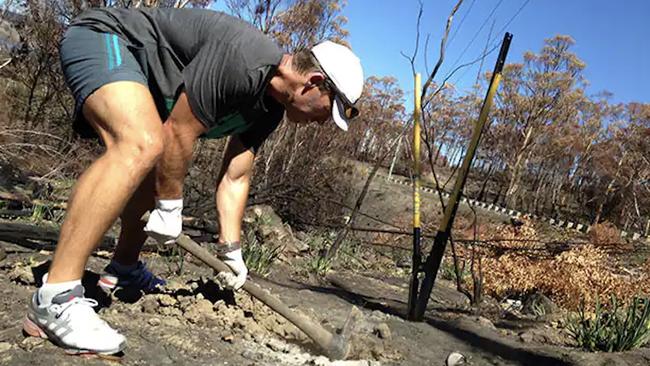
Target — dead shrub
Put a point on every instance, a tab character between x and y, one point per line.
517	263
606	235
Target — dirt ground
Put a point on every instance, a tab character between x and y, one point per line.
193	321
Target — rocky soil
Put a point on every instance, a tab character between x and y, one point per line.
193	321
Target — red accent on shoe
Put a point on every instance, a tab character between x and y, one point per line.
104	282
33	329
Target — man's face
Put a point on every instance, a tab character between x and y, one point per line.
310	104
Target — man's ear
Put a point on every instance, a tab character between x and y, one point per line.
316	78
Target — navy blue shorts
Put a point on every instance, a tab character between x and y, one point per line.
90	60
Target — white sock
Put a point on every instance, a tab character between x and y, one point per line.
47	292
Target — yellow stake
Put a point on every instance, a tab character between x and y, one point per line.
417	256
416	153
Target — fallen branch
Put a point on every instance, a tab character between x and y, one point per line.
26	200
22	233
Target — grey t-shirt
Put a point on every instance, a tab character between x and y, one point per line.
224	65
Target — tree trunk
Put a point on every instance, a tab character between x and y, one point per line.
610	188
442	142
538	190
513	186
392	164
481	193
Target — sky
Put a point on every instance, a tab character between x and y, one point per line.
612	37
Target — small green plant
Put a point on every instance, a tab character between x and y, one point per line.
448	271
259	257
319	265
613	327
317	262
173	257
539	310
38	212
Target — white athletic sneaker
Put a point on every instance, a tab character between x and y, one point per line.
71	323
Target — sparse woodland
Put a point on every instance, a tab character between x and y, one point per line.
550	148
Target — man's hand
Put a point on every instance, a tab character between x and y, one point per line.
230	254
165	222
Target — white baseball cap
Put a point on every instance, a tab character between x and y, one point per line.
345	76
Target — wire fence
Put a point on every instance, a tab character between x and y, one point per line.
531	247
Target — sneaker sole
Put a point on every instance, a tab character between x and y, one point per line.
34	330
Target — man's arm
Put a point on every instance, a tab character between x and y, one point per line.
233	185
180	131
232	192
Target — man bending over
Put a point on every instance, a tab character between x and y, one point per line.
149	82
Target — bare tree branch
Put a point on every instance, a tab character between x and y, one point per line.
443	48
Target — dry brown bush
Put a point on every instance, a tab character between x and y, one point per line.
604	233
582	273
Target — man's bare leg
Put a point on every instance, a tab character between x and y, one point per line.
132	237
180	132
124	115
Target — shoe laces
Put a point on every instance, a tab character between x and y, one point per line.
79	311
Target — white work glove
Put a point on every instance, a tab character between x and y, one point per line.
165	221
234	260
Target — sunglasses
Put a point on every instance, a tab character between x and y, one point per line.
350	110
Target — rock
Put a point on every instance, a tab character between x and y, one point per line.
3	253
198	311
172	322
170	311
4	347
185	301
301	235
22	274
489	305
219	306
403	262
485	323
167	300
383	331
277	345
228	338
539	305
30	343
320	361
149	304
511	305
526	337
272	231
455	358
154	322
366	347
250	355
174	286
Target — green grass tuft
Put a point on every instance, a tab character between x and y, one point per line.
613	327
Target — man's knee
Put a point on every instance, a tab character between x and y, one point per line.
142	148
